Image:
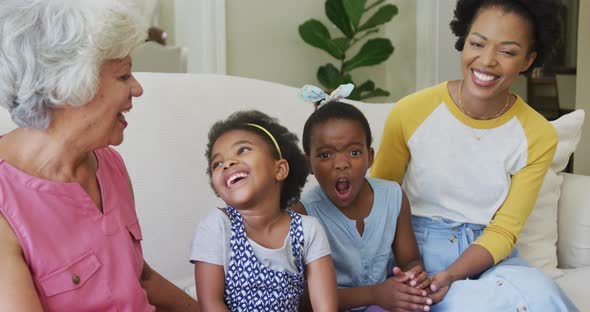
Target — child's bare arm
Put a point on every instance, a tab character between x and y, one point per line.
355	297
405	247
210	282
321	282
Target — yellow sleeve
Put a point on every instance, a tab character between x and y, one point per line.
393	154
500	236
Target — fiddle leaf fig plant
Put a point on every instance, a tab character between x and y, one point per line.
349	16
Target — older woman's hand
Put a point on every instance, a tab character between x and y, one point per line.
163	294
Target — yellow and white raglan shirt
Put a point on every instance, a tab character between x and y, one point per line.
485	172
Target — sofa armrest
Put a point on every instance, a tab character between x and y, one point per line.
573	243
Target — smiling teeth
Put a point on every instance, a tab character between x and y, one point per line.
232	178
483	77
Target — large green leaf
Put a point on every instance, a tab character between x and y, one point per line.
329	76
373	52
354	9
346	79
342	43
382	16
337	15
316	34
366	86
354	95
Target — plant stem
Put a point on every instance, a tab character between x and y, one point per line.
374	5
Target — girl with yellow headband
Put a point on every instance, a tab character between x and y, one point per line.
254	255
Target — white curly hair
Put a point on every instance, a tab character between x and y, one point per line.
51	52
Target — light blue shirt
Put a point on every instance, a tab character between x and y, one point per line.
359	260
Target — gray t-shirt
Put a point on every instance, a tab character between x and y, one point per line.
212	236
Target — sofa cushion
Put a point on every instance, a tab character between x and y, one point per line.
538	240
573	246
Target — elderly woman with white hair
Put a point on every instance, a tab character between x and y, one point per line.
69	233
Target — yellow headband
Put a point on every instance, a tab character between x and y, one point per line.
270	136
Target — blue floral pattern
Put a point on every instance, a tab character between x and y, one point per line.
251	286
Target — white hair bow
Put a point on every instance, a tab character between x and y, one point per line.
314	94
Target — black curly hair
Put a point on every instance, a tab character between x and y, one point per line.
335	110
541	14
287	141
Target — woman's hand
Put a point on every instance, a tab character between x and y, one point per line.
395	295
474	260
441	282
438	295
164	295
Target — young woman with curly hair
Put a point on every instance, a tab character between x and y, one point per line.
473	157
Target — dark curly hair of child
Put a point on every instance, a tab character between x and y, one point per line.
287	141
335	110
541	14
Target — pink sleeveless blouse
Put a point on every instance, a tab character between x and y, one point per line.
80	259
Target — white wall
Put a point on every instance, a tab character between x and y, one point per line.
582	154
400	69
263	42
148	9
167	19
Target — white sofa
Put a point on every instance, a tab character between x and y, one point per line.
164	151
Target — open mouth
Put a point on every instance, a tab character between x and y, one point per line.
484	79
343	188
235	178
122	119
